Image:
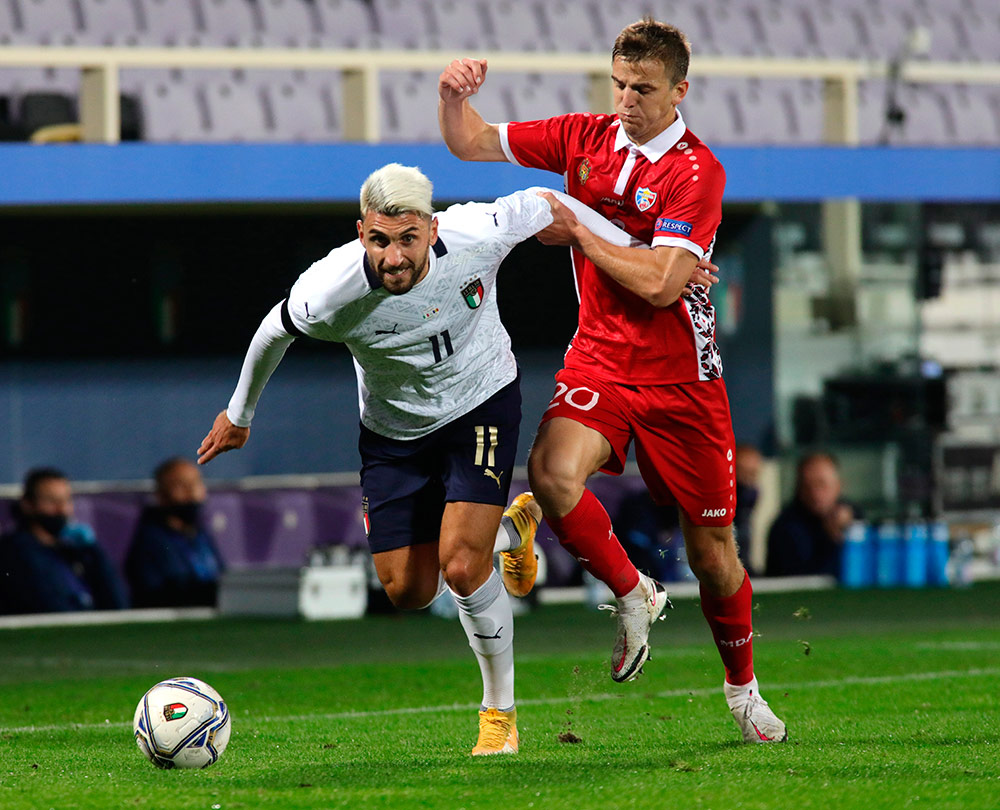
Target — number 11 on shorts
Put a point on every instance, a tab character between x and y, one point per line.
481	447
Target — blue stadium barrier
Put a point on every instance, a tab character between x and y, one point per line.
248	173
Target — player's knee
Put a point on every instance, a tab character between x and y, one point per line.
714	561
407	595
464	573
553	483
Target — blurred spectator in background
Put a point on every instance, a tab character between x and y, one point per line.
746	461
806	537
173	561
50	563
650	533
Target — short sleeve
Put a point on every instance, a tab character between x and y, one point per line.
692	212
540	144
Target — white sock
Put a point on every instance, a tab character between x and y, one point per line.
736	695
507	536
442	587
489	624
635	597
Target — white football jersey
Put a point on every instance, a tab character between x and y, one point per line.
434	353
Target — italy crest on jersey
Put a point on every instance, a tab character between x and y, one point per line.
473	293
583	171
644	198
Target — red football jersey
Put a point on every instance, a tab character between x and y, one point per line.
666	192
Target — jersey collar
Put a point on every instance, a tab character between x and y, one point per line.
657	147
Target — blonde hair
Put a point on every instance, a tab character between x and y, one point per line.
395	189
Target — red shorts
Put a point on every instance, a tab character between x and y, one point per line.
683	436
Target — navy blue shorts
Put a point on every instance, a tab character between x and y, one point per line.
405	484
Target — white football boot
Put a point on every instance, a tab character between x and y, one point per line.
752	714
631	648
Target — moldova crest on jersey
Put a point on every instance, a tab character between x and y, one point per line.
644	198
473	293
583	171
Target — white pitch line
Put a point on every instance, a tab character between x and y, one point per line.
850	680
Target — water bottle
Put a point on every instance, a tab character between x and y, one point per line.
915	539
855	567
887	555
937	555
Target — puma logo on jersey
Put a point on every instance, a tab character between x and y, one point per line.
714	513
492	214
494	476
388	331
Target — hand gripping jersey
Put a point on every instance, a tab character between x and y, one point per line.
430	355
666	192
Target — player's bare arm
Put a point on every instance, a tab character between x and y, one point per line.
466	134
223	437
659	276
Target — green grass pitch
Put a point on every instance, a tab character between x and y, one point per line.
892	699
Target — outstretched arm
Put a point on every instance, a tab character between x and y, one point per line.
232	426
466	134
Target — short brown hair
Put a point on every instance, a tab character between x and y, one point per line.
651	39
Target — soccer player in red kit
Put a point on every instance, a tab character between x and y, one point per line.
643	365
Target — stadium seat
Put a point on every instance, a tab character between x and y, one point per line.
764	108
886	29
928	117
15	82
980	30
230	23
9	131
172	111
947	39
709	113
977	114
737	28
109	22
39	109
47	22
345	23
805	102
572	26
839	32
610	18
461	25
519	25
169	23
534	96
289	23
409	106
235	111
10	34
785	31
303	107
404	23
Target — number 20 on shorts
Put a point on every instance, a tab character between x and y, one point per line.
581	397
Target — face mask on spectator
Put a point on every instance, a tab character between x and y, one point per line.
188	512
53	524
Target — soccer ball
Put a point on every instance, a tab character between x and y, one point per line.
182	723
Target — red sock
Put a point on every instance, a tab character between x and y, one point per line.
586	534
732	625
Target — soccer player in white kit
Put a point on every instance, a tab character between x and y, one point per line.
414	300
